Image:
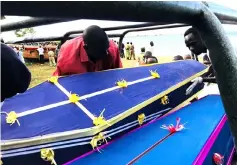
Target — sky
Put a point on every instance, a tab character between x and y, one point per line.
61	28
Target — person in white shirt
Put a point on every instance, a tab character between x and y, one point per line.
151	48
41	54
20	55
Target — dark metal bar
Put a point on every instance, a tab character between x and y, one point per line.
224	61
147	29
42	39
113	28
31	23
132	10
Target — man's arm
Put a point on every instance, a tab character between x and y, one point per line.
209	79
117	60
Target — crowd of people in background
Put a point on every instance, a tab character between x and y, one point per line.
42	48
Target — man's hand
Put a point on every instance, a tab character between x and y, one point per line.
195	82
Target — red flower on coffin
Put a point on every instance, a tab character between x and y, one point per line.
218	159
172	129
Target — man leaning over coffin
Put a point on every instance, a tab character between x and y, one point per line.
196	46
93	51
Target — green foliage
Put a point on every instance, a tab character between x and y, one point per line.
24	32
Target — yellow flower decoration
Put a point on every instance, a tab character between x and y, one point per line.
74	98
154	74
165	100
53	79
1	163
100	137
11	117
141	118
100	120
47	154
122	84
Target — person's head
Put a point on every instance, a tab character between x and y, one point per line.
177	58
148	54
152	43
40	46
131	43
187	57
143	50
194	42
2	41
127	42
96	42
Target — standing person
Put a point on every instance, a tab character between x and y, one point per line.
93	51
122	55
21	56
132	49
151	48
128	52
41	54
51	58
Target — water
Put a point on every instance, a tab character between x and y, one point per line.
167	45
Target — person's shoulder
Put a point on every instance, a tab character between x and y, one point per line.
73	42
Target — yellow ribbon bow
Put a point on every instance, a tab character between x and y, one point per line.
47	154
11	118
100	120
95	140
165	100
74	98
154	74
141	118
1	163
122	84
53	79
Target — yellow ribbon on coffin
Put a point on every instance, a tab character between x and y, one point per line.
122	84
100	120
154	74
165	100
53	79
11	117
141	118
95	140
47	154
